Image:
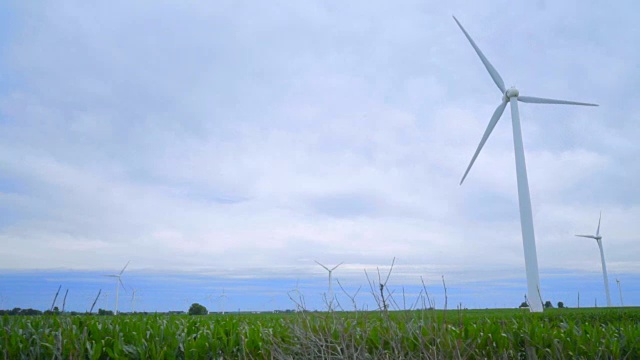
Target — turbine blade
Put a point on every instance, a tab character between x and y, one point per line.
492	71
588	236
487	132
538	100
326	268
600	218
335	267
125	267
124	288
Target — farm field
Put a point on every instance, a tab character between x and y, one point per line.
418	334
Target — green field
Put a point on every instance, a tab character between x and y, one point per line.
421	334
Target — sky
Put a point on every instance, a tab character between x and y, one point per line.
229	144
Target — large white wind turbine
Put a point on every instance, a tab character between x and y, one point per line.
330	295
118	284
512	96
598	239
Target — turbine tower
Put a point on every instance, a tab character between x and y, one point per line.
118	282
330	295
512	96
598	239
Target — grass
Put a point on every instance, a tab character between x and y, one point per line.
418	334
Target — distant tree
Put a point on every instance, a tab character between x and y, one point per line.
197	309
104	312
548	305
524	305
560	305
18	311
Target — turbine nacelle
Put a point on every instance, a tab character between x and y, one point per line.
512	92
597	237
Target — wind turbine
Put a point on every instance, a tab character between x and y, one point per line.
118	282
265	306
133	300
512	96
330	295
221	299
620	292
598	239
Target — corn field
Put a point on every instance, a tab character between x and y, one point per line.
418	334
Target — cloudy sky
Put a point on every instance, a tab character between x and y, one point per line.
243	140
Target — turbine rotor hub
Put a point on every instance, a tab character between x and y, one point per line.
513	92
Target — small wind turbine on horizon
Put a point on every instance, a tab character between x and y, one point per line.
118	283
512	96
620	292
598	239
330	295
221	300
133	300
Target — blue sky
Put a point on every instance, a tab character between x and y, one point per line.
176	291
238	140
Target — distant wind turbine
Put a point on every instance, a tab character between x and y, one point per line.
330	295
620	292
118	284
598	239
512	96
221	300
133	300
266	306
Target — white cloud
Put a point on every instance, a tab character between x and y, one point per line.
243	137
